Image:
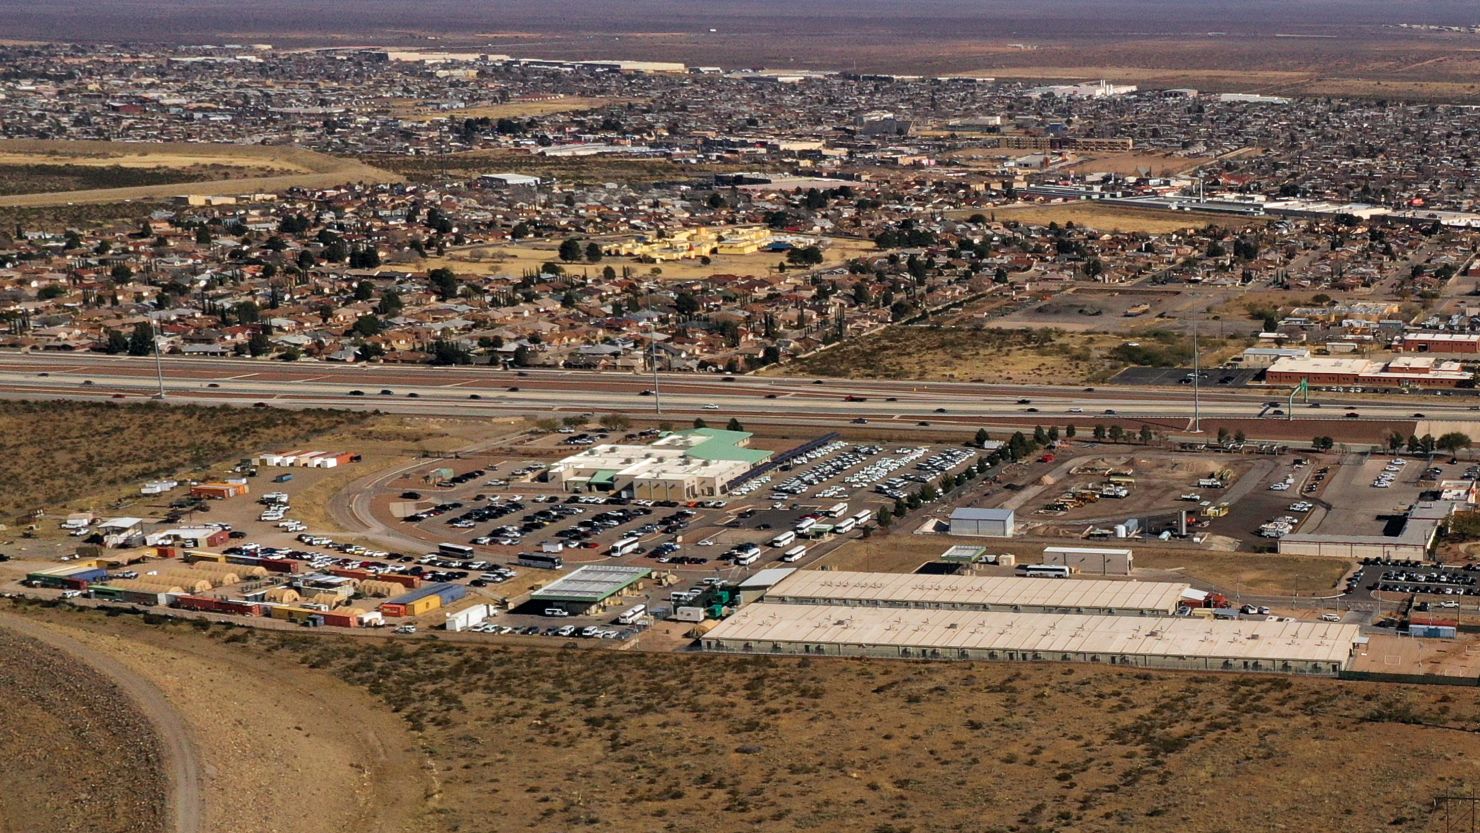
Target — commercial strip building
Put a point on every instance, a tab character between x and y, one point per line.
1404	371
1191	643
680	466
980	593
590	589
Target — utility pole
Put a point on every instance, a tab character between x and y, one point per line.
653	358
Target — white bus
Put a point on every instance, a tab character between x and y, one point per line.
746	560
456	550
1043	570
863	517
783	539
632	614
794	554
623	547
804	524
837	510
844	526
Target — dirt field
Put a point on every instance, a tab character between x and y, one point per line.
1132	164
579	739
583	170
287	167
86	462
965	353
1115	218
512	110
349	761
79	756
516	260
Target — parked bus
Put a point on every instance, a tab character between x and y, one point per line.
623	547
837	510
456	550
804	524
783	539
632	614
794	554
863	517
1043	570
541	560
746	560
844	526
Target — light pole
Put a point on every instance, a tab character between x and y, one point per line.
653	359
158	364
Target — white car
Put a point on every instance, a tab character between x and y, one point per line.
711	407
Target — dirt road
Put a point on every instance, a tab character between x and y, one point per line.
182	763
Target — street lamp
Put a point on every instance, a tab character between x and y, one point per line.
653	360
158	365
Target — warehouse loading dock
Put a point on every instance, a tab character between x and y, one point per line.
1314	648
982	593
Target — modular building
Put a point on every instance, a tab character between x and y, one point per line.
988	523
985	593
1189	643
591	588
423	600
1091	561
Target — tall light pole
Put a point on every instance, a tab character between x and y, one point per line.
158	363
1196	382
653	359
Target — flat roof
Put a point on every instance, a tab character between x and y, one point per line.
1045	633
716	444
907	589
766	578
591	583
968	513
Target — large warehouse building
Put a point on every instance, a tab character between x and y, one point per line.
980	593
986	523
684	465
1173	643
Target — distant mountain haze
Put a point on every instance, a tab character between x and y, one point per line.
918	21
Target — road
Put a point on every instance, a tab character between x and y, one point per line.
181	761
466	391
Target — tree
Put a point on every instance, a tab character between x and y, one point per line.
1117	433
700	423
367	325
444	283
364	291
521	356
203	235
1099	432
614	422
1147	435
390	303
886	517
593	252
115	342
1322	443
1394	441
120	273
570	250
247	312
1069	431
734	425
449	352
1223	436
1452	441
258	344
141	342
1239	436
982	438
1040	436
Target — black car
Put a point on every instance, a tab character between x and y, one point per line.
387	392
356	393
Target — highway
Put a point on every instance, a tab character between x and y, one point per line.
468	391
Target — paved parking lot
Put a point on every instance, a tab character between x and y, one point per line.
1213	377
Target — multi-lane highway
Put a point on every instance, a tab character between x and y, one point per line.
482	390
